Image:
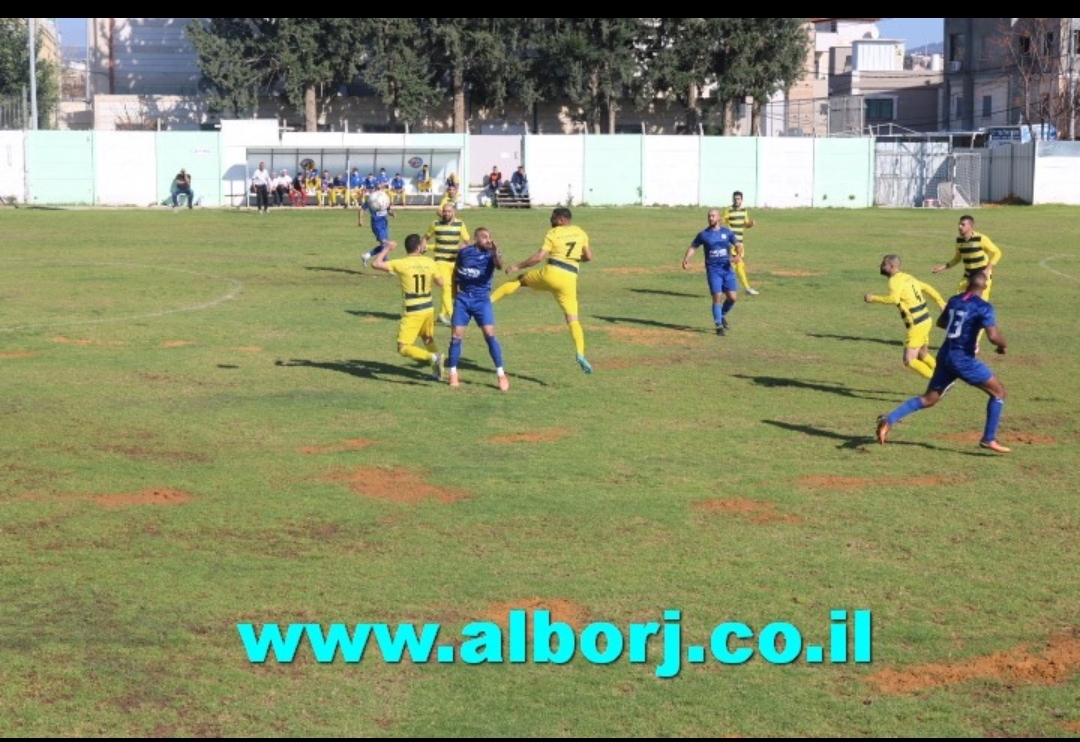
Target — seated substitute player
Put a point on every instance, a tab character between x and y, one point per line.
965	316
397	189
449	234
380	227
565	247
738	221
721	251
906	292
473	269
417	273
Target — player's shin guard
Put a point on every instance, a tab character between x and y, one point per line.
921	368
455	352
505	290
496	351
994	408
579	337
417	354
912	405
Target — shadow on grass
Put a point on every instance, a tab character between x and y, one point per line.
773	382
860	442
661	292
377	315
334	270
855	338
412	376
650	323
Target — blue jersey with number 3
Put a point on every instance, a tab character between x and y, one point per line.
967	314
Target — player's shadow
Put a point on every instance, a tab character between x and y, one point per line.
377	315
484	373
330	269
661	292
857	442
649	323
855	338
774	382
411	376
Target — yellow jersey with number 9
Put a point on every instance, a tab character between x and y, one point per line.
565	244
416	273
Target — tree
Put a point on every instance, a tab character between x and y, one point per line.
592	63
397	71
768	55
1030	50
15	68
243	59
682	54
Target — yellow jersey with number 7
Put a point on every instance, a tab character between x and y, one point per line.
565	244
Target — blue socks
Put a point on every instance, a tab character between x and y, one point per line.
495	350
994	408
455	352
912	405
717	314
728	304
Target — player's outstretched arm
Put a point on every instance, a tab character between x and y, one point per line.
380	259
932	293
529	262
996	338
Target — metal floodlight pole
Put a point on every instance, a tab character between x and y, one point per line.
32	26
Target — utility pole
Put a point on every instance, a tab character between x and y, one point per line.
1072	79
32	25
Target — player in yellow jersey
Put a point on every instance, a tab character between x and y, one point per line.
417	273
906	292
977	252
565	247
738	220
449	234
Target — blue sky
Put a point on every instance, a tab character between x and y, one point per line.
916	31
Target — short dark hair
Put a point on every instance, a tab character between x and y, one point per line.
967	218
412	243
562	212
736	193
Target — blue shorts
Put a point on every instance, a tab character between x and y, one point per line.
381	230
722	280
467	306
950	368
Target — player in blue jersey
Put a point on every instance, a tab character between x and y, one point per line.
722	250
380	226
964	316
473	269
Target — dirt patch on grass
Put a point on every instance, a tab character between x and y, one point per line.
795	273
1004	438
859	483
1071	726
19	354
618	364
651	338
150	496
145	453
250	349
559	610
534	436
395	484
175	343
86	341
352	444
1057	660
755	510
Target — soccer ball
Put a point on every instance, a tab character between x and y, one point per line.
379	201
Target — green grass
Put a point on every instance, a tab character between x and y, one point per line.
200	352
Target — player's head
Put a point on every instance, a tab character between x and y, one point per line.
976	282
890	264
714	217
483	238
447	212
560	216
414	244
967	225
736	199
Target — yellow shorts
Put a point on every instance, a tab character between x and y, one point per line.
416	324
919	335
558	281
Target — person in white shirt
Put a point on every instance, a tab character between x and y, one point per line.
261	183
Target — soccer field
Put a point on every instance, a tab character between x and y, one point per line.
207	425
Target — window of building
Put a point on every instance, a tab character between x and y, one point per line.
1048	44
834	26
958	106
1025	44
988	106
957	47
880	109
